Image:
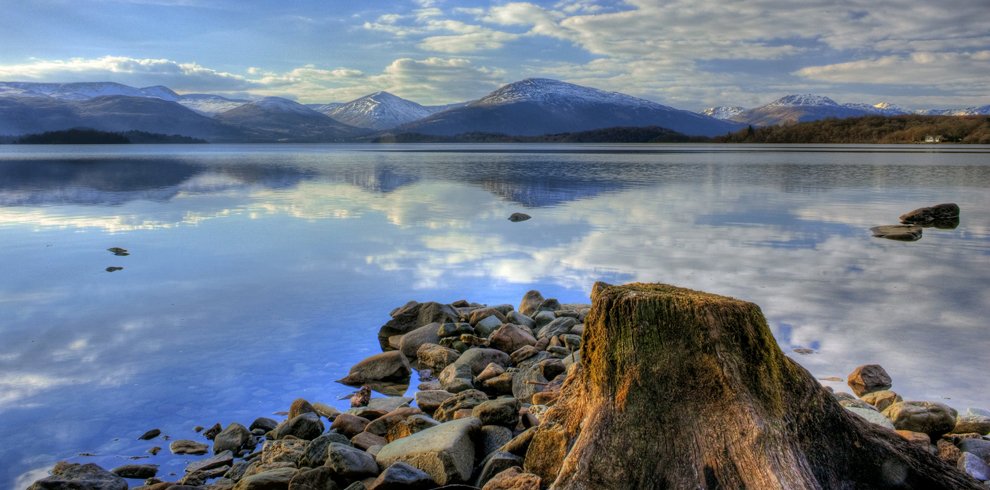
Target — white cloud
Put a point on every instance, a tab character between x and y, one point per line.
950	70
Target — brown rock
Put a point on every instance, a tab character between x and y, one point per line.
530	302
481	314
867	379
916	437
513	479
381	425
882	399
948	452
489	372
364	440
429	400
412	316
349	425
509	338
938	212
410	426
932	418
901	233
436	357
299	407
467	399
387	366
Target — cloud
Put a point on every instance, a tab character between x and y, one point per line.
948	70
133	71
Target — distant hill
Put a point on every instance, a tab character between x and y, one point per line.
540	106
380	110
797	108
275	118
605	135
86	136
871	130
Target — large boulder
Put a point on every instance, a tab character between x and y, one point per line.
306	426
429	400
508	338
72	476
349	425
556	327
410	342
973	466
233	438
316	450
445	452
501	411
868	378
436	357
972	424
932	418
267	480
186	446
387	366
412	316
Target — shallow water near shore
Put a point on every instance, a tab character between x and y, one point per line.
258	274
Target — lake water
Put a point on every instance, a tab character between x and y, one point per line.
259	274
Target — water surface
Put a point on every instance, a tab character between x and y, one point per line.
259	274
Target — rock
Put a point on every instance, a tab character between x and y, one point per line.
490	371
501	411
361	397
916	437
979	447
517	318
872	416
519	445
467	399
410	426
867	379
185	446
268	480
306	426
509	338
212	432
482	313
979	424
225	458
558	351
436	357
136	471
326	410
445	452
151	434
556	327
387	366
412	316
523	353
530	302
429	400
454	329
517	217
948	452
542	318
350	463
903	233
349	425
265	424
300	406
366	439
513	479
494	464
313	479
72	476
114	268
283	451
367	413
119	252
535	378
460	375
499	385
389	403
975	467
402	476
545	397
410	342
882	399
381	425
938	212
857	403
930	418
492	438
315	453
487	325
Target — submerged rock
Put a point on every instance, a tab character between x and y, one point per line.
903	233
88	476
517	217
938	212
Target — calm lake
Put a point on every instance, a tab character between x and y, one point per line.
259	274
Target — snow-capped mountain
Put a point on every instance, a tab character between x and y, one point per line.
208	104
969	111
798	108
325	108
538	106
881	108
87	90
723	112
380	110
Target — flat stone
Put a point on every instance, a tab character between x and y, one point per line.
325	410
136	471
556	327
72	476
284	450
225	458
867	379
429	400
402	476
445	452
902	233
350	463
517	217
151	434
931	214
267	480
365	440
185	446
390	403
965	424
916	437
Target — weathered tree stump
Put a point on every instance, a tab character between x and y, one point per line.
684	389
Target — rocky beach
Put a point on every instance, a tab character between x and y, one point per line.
524	397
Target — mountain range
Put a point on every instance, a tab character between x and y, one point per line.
531	107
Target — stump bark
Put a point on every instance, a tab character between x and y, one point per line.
685	389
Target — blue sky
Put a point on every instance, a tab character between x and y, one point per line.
689	54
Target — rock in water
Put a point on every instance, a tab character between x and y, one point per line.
387	366
119	252
151	434
73	476
114	268
902	233
661	370
938	212
517	217
362	397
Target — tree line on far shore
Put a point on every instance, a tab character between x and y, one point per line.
871	130
86	136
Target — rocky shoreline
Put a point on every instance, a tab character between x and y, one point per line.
488	375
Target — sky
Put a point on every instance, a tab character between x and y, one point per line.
689	54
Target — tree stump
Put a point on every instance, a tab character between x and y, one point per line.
685	389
